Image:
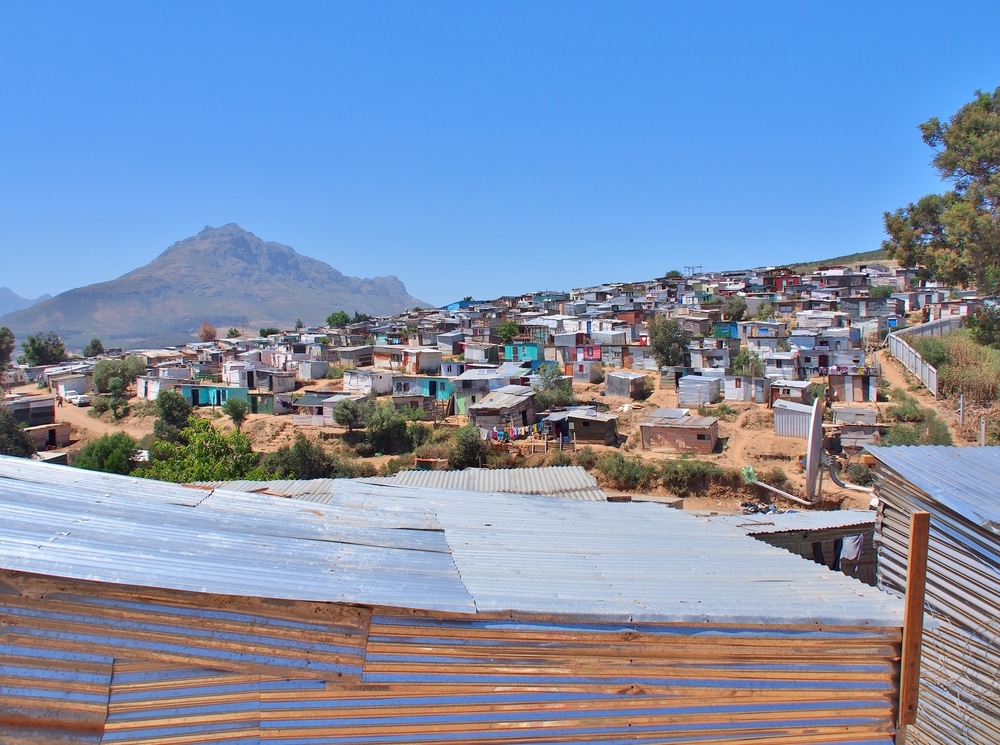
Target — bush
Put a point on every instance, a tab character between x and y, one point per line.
386	429
430	450
933	350
860	474
684	477
418	433
111	453
586	457
394	466
626	473
100	405
906	411
469	450
335	373
560	458
901	434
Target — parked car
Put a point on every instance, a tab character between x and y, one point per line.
79	399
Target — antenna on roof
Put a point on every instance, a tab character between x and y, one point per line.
816	458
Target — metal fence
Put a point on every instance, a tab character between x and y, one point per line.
911	359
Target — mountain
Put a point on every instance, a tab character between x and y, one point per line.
11	301
225	276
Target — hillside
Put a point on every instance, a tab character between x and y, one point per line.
868	257
224	276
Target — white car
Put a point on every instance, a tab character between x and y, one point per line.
80	399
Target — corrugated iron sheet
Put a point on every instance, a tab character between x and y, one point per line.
403	614
959	699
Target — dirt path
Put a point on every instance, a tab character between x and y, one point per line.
898	377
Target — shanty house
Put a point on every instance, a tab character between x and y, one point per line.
679	430
583	424
698	390
792	419
625	384
148	611
958	701
510	406
367	381
747	388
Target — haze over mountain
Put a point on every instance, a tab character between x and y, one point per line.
11	301
225	276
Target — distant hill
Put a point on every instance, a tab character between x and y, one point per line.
869	257
11	301
225	276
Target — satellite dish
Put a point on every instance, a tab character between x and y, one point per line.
816	460
814	451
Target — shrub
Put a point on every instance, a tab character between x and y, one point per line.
335	373
586	457
111	453
393	466
386	429
626	473
418	433
100	405
431	450
906	411
933	350
469	450
860	474
560	458
901	434
686	476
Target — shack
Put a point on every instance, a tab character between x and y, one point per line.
512	406
583	424
792	419
398	614
698	390
625	385
679	430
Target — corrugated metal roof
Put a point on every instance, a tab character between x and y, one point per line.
958	699
691	421
386	546
562	481
795	521
793	406
963	480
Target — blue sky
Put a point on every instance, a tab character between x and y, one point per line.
477	148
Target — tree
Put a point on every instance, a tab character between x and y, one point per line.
347	413
747	362
174	412
94	348
269	331
128	369
880	291
668	341
131	368
233	334
338	319
117	401
673	274
765	312
508	330
552	388
361	317
984	326
303	460
470	449
202	453
955	236
734	308
14	440
207	332
386	429
111	453
237	409
43	349
299	324
6	346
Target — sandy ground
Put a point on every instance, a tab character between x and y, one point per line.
747	439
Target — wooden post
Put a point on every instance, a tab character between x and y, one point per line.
913	622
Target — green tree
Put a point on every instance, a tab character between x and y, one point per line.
94	348
552	388
984	326
507	331
747	362
103	371
347	413
299	324
269	331
734	308
6	346
880	291
955	236
116	399
43	349
765	312
13	438
174	412
202	453
385	430
131	368
361	317
303	460
668	341
237	409
673	274
233	334
111	453
470	449
338	319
